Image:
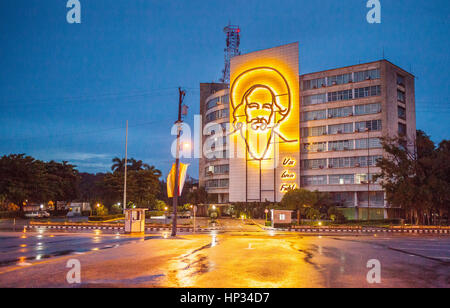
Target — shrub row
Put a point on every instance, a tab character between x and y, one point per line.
6	215
107	217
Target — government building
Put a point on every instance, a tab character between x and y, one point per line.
271	130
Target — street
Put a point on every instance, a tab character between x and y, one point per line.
239	256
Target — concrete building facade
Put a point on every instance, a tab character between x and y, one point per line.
336	116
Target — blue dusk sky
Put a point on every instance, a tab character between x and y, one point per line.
66	90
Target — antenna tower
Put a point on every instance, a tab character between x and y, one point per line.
233	41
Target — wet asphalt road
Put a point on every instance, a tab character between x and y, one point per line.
242	258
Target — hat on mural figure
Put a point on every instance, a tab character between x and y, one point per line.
261	99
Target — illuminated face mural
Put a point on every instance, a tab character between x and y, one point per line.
260	109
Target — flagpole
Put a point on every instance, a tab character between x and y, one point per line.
125	174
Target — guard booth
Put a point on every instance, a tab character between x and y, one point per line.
135	220
281	217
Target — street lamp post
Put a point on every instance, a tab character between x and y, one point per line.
368	174
177	162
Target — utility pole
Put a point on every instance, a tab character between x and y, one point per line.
125	174
177	162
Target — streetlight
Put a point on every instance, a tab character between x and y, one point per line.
368	173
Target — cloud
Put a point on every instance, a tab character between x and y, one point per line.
78	156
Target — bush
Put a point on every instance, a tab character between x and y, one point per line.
57	213
149	214
106	217
7	215
268	224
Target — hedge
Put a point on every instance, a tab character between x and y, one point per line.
107	217
6	215
149	214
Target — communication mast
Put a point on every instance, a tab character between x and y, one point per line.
233	42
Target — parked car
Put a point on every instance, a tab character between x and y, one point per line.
37	214
44	214
32	214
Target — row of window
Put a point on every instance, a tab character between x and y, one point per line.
220	183
348	198
216	115
219	169
217	101
341	145
340	162
341	79
335	179
341	95
344	128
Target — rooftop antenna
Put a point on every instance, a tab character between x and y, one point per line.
233	41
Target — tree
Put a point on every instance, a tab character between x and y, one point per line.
118	164
143	184
414	175
198	196
299	200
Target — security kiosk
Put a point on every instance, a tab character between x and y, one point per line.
135	220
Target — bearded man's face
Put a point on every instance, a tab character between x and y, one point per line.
259	109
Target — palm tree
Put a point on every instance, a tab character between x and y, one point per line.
118	164
154	171
136	164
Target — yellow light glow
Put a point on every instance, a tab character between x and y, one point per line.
261	100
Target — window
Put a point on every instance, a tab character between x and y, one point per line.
340	95
400	80
219	169
362	178
314	99
282	216
344	198
367	75
314	84
339	79
362	143
401	96
367	109
368	91
401	112
353	162
313	131
221	183
376	198
314	147
340	112
340	128
401	129
341	145
225	99
314	180
341	179
374	125
313	163
340	162
213	155
216	115
314	115
212	103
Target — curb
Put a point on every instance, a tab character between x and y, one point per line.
327	230
153	229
